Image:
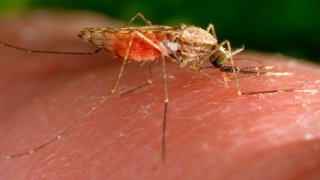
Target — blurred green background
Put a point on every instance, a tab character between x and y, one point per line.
290	27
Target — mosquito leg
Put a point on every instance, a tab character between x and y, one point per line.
166	101
211	28
254	71
148	23
149	81
60	135
102	100
225	78
143	37
226	42
166	98
237	51
75	123
48	52
114	89
223	74
120	94
212	77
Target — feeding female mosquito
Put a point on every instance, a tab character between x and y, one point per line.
185	45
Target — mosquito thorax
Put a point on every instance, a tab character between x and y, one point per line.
197	36
92	37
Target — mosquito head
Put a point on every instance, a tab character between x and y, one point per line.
221	56
91	36
85	35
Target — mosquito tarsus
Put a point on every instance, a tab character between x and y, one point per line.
184	45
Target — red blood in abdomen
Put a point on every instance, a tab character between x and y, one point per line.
140	50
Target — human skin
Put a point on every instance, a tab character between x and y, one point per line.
212	133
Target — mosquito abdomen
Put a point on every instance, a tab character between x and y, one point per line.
140	50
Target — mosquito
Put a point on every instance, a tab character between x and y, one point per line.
186	45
